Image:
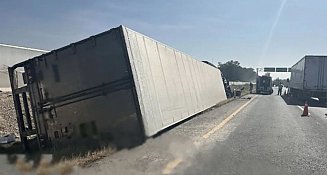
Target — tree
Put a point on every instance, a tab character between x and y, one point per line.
233	71
278	80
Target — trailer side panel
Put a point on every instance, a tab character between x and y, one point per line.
171	86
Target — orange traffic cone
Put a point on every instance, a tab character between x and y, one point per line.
305	110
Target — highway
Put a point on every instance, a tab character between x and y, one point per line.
257	134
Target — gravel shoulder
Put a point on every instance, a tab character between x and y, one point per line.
7	115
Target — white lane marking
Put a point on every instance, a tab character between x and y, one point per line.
302	109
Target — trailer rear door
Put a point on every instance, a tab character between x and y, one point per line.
313	73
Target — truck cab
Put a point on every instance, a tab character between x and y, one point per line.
264	85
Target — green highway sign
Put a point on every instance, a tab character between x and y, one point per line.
275	69
281	69
269	69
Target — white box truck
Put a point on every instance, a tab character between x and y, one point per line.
118	86
309	78
264	85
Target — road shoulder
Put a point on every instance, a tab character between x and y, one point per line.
170	148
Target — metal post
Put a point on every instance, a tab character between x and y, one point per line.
27	111
18	108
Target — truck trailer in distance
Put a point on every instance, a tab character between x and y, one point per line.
309	78
118	86
264	85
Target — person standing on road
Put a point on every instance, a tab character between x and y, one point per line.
280	87
251	87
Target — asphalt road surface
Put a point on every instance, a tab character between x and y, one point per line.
257	135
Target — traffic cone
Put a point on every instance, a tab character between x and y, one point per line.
305	110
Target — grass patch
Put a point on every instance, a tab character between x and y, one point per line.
91	156
246	88
65	166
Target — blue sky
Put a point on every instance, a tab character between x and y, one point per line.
257	33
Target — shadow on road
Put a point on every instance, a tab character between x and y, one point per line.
289	100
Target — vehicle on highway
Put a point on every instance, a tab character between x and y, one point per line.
264	85
117	87
309	78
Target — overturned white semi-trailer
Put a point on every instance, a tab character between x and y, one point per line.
118	86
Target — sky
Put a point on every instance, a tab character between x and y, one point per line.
257	33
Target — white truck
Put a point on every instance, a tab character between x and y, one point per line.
309	78
118	86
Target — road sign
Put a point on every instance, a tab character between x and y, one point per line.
281	69
269	69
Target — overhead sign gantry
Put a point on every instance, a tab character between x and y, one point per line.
275	69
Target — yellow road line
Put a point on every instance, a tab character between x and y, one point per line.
171	166
226	120
174	163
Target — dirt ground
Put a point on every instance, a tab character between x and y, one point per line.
246	89
8	122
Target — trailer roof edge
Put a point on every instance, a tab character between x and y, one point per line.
24	48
